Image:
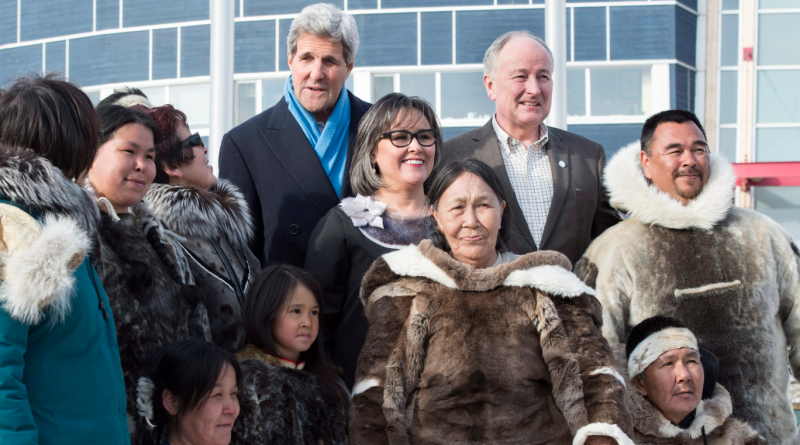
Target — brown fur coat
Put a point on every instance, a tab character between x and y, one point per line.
730	274
509	354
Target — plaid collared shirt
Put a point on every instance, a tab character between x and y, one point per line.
531	177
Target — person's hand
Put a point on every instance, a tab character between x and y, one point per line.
600	440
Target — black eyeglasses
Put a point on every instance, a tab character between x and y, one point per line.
403	138
193	141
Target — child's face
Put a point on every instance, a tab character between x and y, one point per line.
296	328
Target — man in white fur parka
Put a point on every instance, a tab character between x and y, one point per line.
730	274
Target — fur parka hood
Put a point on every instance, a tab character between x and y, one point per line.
38	257
632	193
284	405
192	212
712	418
215	229
454	354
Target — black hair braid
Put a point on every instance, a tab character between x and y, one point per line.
140	272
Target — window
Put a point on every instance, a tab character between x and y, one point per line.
271	92
422	85
381	86
464	97
194	100
728	92
156	95
618	92
245	101
777	144
781	204
726	146
779	38
576	92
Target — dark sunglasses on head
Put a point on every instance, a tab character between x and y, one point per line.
403	138
193	141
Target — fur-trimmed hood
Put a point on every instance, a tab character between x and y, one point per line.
192	212
38	258
548	271
31	180
632	193
710	414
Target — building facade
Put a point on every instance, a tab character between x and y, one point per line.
626	59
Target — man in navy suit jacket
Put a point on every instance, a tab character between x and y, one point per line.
271	158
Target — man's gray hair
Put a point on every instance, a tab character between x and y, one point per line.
490	58
325	20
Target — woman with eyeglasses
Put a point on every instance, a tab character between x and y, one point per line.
397	147
213	218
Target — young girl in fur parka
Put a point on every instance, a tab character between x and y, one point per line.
290	394
149	285
213	217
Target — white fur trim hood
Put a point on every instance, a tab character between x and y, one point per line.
631	193
37	264
551	278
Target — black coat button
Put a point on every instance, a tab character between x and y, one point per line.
294	229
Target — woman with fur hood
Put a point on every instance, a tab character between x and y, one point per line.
469	344
669	376
59	362
142	267
214	219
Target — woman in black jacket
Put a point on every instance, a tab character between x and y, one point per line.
398	145
214	219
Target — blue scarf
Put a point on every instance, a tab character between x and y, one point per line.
331	145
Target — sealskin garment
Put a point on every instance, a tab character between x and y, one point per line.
151	291
283	405
203	217
510	354
729	274
60	375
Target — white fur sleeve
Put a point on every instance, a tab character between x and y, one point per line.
40	274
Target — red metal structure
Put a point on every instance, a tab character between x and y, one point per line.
765	174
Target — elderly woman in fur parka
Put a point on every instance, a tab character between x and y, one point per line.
213	217
471	345
143	270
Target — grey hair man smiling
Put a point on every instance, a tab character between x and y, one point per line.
730	274
551	176
292	161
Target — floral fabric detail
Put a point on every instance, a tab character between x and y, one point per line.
364	210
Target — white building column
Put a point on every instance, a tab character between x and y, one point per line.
555	26
221	113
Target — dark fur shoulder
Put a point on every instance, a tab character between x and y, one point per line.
31	180
192	212
283	405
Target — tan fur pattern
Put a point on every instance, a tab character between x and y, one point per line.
480	363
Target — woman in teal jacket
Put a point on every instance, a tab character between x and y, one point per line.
60	374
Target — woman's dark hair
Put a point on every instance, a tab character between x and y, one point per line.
446	177
267	297
114	117
188	369
170	151
53	118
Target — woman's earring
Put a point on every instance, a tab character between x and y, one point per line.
74	179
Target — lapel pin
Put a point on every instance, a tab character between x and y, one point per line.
562	164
